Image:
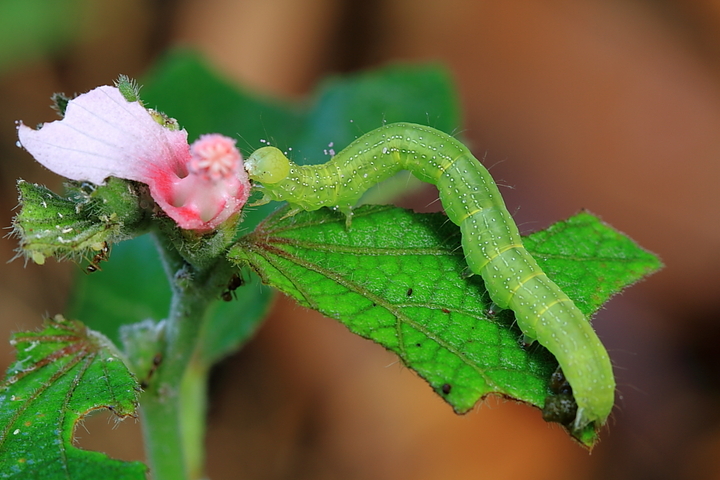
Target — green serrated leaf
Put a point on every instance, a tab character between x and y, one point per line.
398	278
62	373
590	260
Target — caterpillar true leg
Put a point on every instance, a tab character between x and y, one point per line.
491	241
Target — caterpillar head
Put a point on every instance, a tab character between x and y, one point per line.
267	165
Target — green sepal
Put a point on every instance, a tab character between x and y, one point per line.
200	249
79	225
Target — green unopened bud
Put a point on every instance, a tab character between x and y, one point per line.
60	103
80	225
128	88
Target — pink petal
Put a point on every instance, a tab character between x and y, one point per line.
203	204
103	135
216	188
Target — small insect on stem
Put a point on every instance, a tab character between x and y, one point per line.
236	281
101	256
157	360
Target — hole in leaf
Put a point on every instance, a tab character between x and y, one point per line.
103	431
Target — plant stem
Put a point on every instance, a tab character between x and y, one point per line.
173	405
163	405
163	442
193	405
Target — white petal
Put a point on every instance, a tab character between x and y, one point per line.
104	135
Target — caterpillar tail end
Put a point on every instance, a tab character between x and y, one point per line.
582	420
580	424
582	415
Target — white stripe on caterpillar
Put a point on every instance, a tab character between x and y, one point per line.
490	238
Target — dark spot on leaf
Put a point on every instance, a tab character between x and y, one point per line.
446	388
409	292
445	310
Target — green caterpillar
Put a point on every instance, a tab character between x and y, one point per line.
490	239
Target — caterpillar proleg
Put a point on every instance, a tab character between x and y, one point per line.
490	238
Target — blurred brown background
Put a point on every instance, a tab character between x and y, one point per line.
611	105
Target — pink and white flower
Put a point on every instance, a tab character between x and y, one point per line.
103	135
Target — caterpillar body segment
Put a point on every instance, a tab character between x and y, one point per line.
490	238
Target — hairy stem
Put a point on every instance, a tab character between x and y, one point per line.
173	405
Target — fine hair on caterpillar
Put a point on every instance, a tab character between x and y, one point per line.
490	238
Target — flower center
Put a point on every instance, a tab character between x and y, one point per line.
214	157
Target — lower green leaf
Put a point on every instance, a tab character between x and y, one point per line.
62	373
